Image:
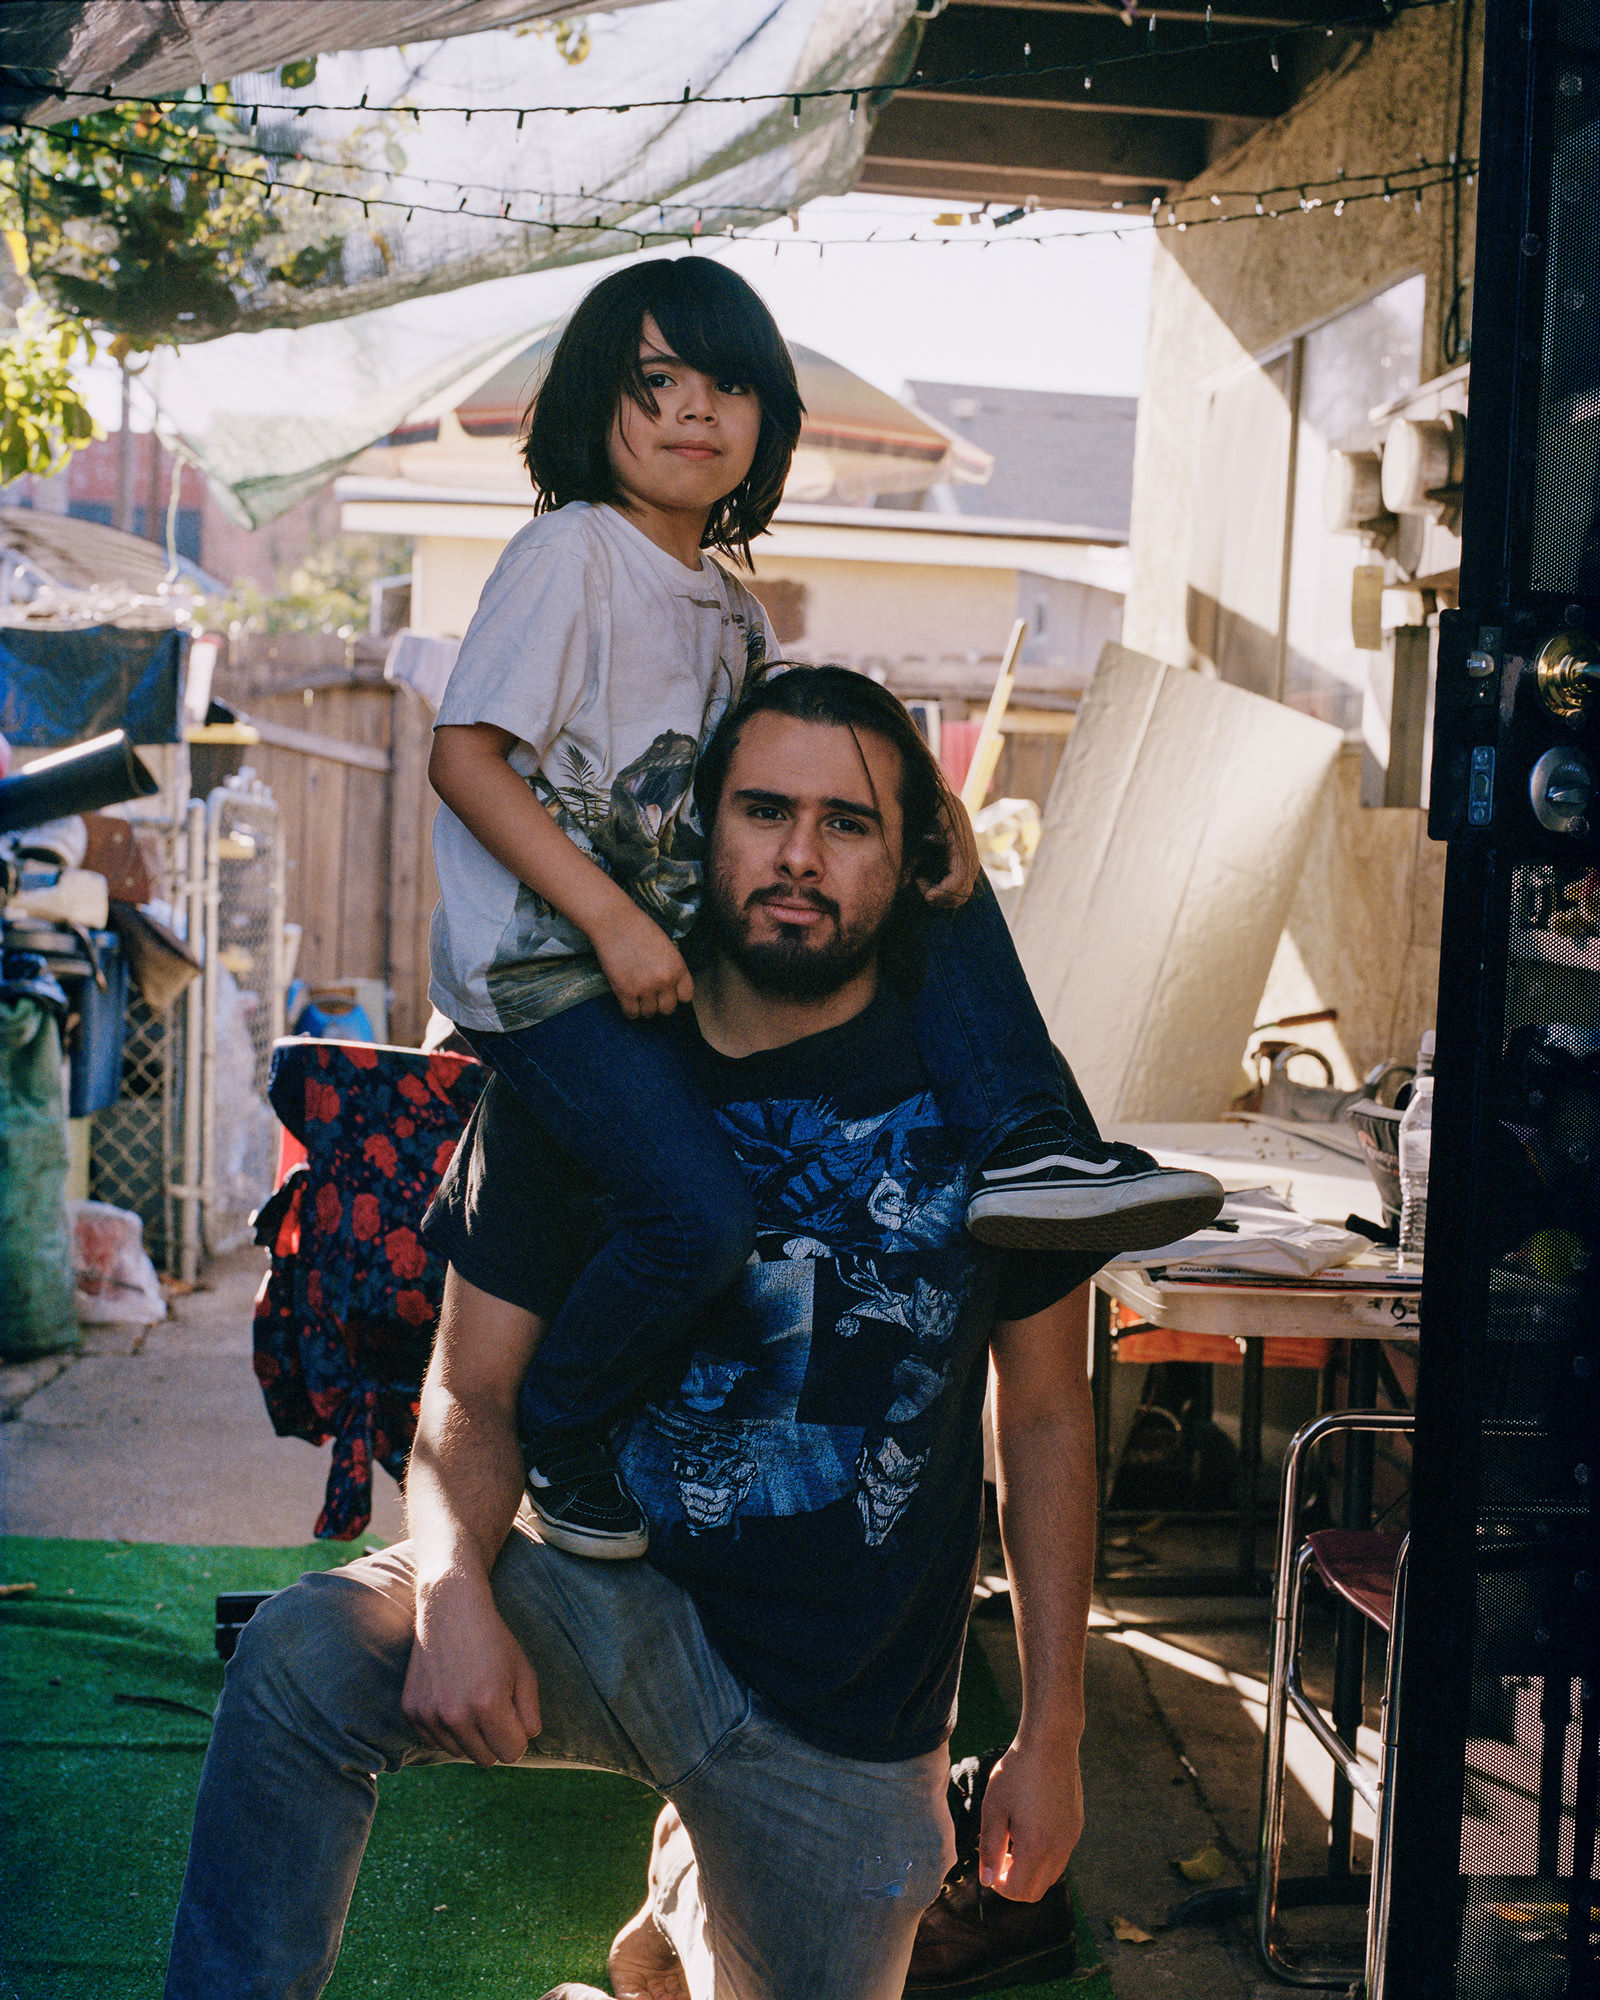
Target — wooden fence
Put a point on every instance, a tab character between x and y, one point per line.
345	753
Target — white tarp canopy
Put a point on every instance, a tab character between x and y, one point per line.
479	160
269	417
414	169
149	46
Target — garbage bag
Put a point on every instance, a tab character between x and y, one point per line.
115	1279
36	1307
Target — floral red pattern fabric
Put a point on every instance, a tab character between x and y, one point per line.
345	1316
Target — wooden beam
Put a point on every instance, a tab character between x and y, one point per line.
1238	97
334	748
1285	14
952	182
1195	81
1121	149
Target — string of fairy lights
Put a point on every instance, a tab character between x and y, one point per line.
1376	14
1183	212
713	223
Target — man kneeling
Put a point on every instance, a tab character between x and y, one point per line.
783	1667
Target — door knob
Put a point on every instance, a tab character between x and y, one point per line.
1568	670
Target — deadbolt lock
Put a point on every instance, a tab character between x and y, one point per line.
1561	790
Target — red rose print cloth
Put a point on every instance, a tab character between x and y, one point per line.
345	1316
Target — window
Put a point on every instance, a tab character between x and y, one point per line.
1269	592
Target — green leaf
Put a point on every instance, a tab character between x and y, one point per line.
299	75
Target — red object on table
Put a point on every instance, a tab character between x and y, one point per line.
957	741
1136	1341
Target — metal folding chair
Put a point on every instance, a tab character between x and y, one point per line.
1367	1570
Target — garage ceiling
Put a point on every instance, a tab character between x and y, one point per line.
1142	129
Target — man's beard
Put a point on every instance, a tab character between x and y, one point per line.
790	966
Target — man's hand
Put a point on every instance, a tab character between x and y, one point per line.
642	965
1032	1818
469	1691
1044	1456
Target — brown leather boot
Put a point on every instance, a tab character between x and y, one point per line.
974	1939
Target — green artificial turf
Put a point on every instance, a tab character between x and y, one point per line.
477	1885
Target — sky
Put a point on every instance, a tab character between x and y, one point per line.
1065	314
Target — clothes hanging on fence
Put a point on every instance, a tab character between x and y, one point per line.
345	1317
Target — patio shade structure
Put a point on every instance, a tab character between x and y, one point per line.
148	46
399	171
1135	132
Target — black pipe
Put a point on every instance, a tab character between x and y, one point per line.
103	772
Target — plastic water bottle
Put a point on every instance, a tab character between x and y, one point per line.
1416	1139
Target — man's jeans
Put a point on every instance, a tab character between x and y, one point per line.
812	1869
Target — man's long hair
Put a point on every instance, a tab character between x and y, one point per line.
937	844
710	318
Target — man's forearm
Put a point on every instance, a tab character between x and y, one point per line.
1044	1445
465	1480
469	1691
464	1484
1046	1486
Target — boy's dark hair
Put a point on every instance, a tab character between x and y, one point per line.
931	816
710	318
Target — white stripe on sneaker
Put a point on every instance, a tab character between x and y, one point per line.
1051	1160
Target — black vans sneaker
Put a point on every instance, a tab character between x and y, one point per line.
582	1502
1047	1187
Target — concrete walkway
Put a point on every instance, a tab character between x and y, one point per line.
160	1434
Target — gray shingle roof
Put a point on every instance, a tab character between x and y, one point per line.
1057	457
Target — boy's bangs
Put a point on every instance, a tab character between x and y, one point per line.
725	343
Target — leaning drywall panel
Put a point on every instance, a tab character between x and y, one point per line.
1173	840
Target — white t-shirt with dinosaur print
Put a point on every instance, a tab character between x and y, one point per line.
611	663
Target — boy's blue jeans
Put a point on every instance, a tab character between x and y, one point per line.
621	1098
808	1870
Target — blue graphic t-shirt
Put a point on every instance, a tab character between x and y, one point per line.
814	1479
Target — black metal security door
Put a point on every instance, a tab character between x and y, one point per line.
1493	1891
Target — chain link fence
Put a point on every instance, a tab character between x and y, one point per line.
190	1145
242	1005
135	1152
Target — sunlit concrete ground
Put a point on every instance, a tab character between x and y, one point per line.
160	1434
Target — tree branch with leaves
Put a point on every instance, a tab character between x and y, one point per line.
43	417
155	223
